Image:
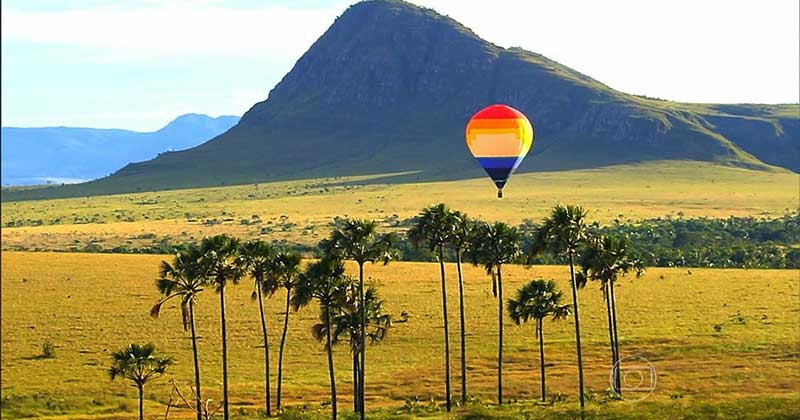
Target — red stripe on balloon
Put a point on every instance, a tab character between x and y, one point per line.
498	112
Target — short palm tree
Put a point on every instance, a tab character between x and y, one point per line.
433	229
257	259
183	279
285	268
347	325
563	232
605	259
220	259
359	240
492	247
325	282
537	300
460	239
139	364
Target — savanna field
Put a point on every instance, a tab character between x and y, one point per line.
724	342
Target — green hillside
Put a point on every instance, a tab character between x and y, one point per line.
390	86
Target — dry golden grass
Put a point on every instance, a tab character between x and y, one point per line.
89	305
630	192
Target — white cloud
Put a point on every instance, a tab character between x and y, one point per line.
695	51
175	28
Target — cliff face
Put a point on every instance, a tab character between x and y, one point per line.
390	86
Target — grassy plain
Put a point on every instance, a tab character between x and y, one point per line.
725	343
301	211
722	341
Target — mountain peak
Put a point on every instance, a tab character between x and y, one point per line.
380	55
194	118
199	123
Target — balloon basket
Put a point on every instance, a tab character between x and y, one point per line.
499	193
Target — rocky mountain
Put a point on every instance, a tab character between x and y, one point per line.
390	86
67	154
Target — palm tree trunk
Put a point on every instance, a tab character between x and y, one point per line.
499	335
330	358
141	401
356	389
577	327
463	329
446	331
196	363
607	297
362	340
225	412
616	339
266	352
541	355
280	350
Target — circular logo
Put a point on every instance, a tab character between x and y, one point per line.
633	378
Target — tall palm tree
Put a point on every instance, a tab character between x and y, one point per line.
605	259
564	231
359	240
459	239
493	246
183	279
433	228
257	259
347	325
537	300
139	364
220	258
285	268
325	282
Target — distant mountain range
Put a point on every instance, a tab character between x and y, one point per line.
33	156
390	86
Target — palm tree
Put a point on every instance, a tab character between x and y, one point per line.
434	228
604	260
492	247
285	268
184	279
220	258
537	300
347	324
459	239
257	258
139	364
326	282
564	231
358	240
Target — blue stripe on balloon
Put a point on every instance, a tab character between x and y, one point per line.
498	162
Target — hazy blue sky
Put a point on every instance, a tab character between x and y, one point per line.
138	64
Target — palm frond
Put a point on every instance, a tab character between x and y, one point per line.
318	331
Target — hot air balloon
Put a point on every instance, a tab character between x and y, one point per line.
499	137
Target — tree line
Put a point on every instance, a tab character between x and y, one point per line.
352	312
735	242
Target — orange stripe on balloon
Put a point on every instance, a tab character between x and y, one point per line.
480	123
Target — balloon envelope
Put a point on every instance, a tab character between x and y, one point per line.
499	137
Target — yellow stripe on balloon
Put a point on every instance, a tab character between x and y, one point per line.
527	136
502	144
